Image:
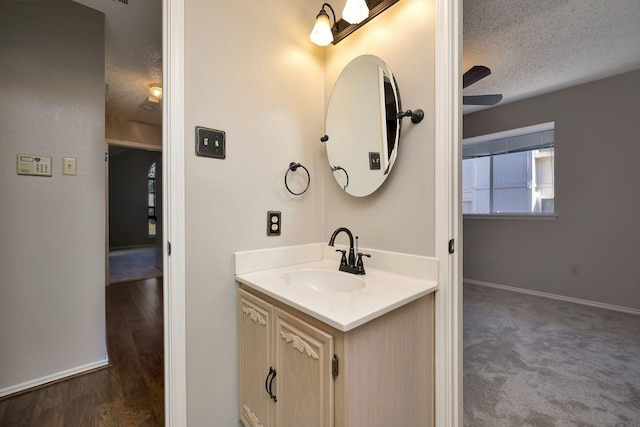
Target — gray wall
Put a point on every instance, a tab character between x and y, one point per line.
597	198
128	197
52	244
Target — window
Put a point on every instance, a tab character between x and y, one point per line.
151	201
509	172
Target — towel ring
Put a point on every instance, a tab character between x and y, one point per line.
340	168
293	166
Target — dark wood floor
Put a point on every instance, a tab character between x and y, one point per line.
130	392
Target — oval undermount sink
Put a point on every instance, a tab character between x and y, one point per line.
324	280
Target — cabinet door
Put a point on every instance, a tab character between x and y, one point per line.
304	384
255	324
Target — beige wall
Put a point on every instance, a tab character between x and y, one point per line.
596	198
120	131
400	216
251	71
52	263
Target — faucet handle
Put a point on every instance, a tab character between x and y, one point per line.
360	264
360	255
343	261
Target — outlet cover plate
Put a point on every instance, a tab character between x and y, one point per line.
274	223
210	143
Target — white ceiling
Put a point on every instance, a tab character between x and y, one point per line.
538	46
133	56
531	46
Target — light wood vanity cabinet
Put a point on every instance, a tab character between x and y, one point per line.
255	346
384	367
285	368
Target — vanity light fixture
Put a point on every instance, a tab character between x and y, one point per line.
322	33
355	11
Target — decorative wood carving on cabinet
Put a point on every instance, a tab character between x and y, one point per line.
300	345
254	315
253	420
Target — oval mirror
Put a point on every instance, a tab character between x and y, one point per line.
362	126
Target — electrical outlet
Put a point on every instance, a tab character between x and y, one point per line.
575	269
492	259
274	223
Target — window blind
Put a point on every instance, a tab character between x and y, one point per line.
523	139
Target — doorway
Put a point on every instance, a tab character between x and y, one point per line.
134	212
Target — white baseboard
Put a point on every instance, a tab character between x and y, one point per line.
53	377
554	296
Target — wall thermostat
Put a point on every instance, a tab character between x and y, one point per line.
34	165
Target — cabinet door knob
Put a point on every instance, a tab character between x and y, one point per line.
268	384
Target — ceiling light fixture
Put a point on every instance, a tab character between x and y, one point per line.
322	33
355	11
155	89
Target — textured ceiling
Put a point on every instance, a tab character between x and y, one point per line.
538	46
133	56
531	46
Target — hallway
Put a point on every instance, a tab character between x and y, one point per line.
129	392
126	265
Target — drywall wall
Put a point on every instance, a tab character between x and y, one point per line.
265	85
596	198
52	268
400	215
128	191
120	131
250	71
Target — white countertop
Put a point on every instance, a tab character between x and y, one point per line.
384	291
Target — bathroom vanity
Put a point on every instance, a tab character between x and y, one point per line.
318	347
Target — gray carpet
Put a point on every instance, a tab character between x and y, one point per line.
133	264
533	361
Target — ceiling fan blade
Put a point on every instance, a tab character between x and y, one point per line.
481	99
476	73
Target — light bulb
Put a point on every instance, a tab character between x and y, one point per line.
156	91
321	33
355	11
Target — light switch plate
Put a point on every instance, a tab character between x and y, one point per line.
69	166
210	143
34	165
374	161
